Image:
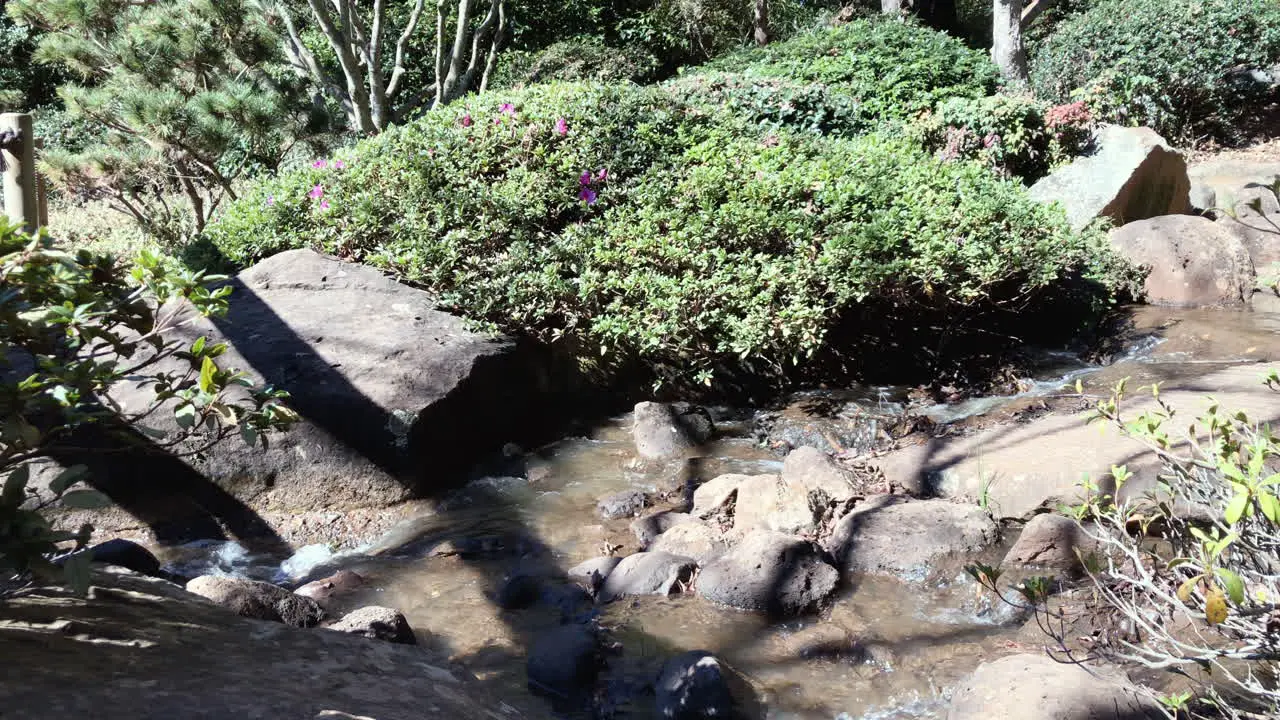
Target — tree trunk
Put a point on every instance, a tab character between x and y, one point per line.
760	23
890	7
1006	46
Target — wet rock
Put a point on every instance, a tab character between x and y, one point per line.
892	535
126	554
695	686
1194	262
766	501
518	592
1036	687
327	588
564	662
695	539
696	421
1053	542
595	567
648	528
1132	175
770	572
658	434
648	573
378	623
627	503
829	423
815	470
259	600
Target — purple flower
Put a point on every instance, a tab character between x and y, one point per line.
339	165
587	195
585	179
562	127
271	200
324	204
466	120
316	193
320	164
602	175
507	109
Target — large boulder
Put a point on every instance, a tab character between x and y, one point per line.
658	433
647	528
397	399
378	623
770	572
258	600
564	663
697	685
1228	184
1193	261
648	573
892	535
1133	174
694	539
768	501
139	647
1036	687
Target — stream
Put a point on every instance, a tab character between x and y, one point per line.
884	649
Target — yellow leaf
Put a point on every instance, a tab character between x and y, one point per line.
1215	606
1184	591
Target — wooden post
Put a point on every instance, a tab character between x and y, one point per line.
20	202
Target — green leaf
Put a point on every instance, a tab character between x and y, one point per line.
86	499
1270	507
1236	508
197	347
185	415
67	478
1234	585
207	370
15	485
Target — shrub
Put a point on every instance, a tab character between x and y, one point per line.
1013	134
771	102
692	241
893	70
73	326
577	59
1163	63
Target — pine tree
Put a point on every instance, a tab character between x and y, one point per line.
193	93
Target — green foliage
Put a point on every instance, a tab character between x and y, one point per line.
1163	63
184	89
1014	134
582	58
24	84
691	240
771	102
72	327
893	70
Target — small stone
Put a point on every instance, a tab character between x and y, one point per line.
657	433
648	573
627	503
259	600
378	623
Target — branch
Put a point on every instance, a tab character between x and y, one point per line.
402	45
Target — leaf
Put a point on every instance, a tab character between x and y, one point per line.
185	415
1270	507
16	484
1234	585
1215	606
67	478
207	370
75	569
1184	590
1235	508
86	500
151	432
197	347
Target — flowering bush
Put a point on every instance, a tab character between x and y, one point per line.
1167	64
640	227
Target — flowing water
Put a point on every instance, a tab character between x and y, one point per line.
884	649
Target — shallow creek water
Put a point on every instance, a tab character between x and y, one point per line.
884	649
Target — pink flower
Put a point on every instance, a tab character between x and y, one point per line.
507	109
320	164
602	175
271	200
466	120
324	204
562	127
316	193
339	165
587	195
